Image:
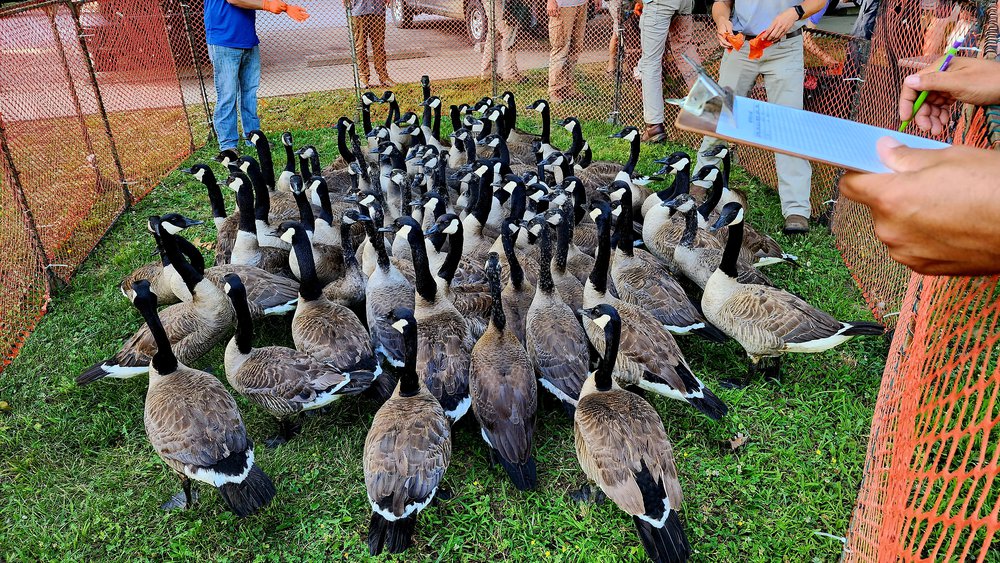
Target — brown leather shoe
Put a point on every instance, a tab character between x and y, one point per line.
654	133
796	225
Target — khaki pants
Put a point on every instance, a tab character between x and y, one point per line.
783	71
663	20
566	32
503	45
367	28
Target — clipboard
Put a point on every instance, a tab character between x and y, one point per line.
711	110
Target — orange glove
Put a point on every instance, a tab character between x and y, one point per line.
297	13
274	6
735	41
757	46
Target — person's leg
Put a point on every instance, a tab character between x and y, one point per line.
578	37
249	82
361	48
559	34
615	9
507	31
654	24
738	72
376	33
226	74
783	70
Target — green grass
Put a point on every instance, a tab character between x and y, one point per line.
79	481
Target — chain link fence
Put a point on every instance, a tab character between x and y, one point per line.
100	99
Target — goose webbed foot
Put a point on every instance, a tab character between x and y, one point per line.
772	369
588	494
743	382
182	500
443	494
286	431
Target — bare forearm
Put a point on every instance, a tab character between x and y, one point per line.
248	4
722	10
812	6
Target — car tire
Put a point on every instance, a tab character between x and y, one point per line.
401	14
477	22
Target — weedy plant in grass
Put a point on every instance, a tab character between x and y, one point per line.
79	480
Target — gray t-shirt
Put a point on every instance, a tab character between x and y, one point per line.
754	16
367	7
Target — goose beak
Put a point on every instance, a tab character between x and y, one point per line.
604	189
665	161
387	230
416	203
432	231
187	170
192	222
364	218
721	222
351	198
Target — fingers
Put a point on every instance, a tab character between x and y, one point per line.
900	158
861	188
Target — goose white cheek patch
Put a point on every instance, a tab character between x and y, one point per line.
400	325
602	321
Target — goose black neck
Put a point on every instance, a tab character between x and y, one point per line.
454	256
633	156
323	193
579	204
564	235
262	196
681	183
266	160
518	202
599	275
544	242
305	211
425	118
606	366
409	381
317	169
347	244
727	161
164	361
577	145
289	159
191	252
626	228
516	272
245	204
244	322
436	128
713	199
470	151
342	148
309	287
304	166
215	198
546	125
158	241
487	129
393	113
690	228
406	196
378	243
425	285
510	116
484	203
188	273
497	317
366	118
503	153
732	250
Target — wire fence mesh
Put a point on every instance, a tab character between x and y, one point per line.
100	99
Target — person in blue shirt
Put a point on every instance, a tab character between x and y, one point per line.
233	46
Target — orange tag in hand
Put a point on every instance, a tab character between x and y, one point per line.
735	41
757	46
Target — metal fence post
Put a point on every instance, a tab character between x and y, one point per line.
614	116
21	202
354	61
189	32
75	11
491	44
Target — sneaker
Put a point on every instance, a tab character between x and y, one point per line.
796	225
654	133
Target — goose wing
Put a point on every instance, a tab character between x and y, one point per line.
407	452
193	421
623	447
285	381
505	398
655	290
333	334
777	314
557	346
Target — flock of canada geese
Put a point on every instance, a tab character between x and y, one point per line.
443	274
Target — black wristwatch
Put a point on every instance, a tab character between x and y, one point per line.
799	10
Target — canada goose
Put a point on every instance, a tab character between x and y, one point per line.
545	146
648	357
195	427
322	328
567	284
349	288
269	294
264	156
161	273
584	229
514	134
642	281
556	343
270	206
475	245
367	100
281	184
574	261
225	226
445	342
768	322
518	292
729	194
502	387
193	327
622	446
329	259
662	227
519	153
282	381
469	293
431	126
627	173
407	450
580	151
677	164
758	249
247	248
698	263
387	289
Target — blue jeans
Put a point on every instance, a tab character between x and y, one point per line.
237	77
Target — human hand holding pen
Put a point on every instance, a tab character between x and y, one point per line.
974	81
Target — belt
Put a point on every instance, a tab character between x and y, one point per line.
789	35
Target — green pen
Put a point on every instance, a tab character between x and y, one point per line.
949	55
